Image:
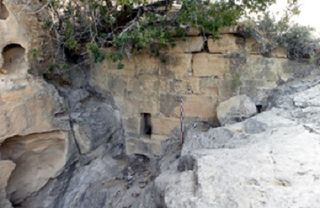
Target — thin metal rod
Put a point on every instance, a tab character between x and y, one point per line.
181	122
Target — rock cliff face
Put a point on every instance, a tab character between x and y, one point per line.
34	139
270	160
64	146
149	90
57	145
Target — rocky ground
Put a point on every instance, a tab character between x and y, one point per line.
64	146
269	160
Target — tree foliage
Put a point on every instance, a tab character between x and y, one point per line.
82	27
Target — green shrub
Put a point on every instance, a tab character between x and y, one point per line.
96	54
272	32
82	26
300	42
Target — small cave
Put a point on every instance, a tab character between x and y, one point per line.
13	55
4	13
38	157
260	108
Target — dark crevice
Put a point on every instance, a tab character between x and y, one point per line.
4	13
186	162
259	108
74	135
205	45
146	125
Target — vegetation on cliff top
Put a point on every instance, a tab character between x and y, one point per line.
82	27
298	40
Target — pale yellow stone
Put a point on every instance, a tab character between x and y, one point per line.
132	124
189	85
3	71
193	31
225	44
146	64
279	52
164	125
198	107
229	30
146	84
177	65
15	96
272	70
160	138
148	105
142	146
110	67
17	118
6	168
28	109
209	86
193	85
206	65
38	157
252	46
3	125
21	28
188	45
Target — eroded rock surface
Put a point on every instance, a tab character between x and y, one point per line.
38	157
6	168
235	109
270	160
34	134
63	146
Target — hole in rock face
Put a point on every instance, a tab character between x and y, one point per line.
4	13
259	108
186	162
146	126
13	54
38	157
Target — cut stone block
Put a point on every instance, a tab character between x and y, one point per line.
189	45
206	65
225	44
148	147
236	109
198	107
164	126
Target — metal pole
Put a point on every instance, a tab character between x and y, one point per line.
181	122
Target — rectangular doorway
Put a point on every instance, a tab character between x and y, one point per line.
146	125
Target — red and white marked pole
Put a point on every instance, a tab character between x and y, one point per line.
181	122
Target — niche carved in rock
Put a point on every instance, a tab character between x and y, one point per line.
13	55
38	157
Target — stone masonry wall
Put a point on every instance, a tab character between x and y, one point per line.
200	72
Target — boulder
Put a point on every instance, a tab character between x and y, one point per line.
268	169
269	160
91	127
235	109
